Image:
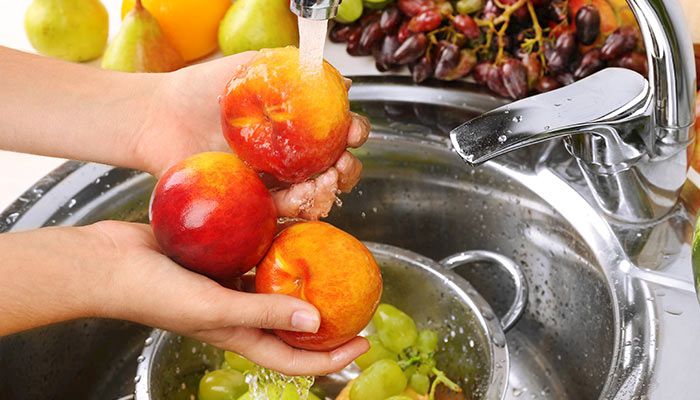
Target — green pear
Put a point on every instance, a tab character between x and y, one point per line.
141	46
257	24
73	30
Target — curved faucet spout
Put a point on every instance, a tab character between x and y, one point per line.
629	137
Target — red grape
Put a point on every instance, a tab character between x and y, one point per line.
371	36
467	61
404	33
421	70
634	61
467	25
481	72
590	63
413	7
425	21
514	77
547	83
619	43
340	33
384	54
587	24
390	21
447	59
411	49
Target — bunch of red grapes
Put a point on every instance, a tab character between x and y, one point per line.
514	47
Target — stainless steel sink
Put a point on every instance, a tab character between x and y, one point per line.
596	324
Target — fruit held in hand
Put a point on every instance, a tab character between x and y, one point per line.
282	121
330	269
141	46
212	214
257	24
73	30
190	25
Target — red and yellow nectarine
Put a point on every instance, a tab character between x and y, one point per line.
281	121
330	269
212	214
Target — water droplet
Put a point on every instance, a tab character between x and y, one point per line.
12	218
338	201
546	128
470	158
673	311
148	342
507	111
557	104
137	379
363	214
502	139
487	314
498	339
374	210
71	203
517	392
518	118
140	359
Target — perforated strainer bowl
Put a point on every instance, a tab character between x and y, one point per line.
473	351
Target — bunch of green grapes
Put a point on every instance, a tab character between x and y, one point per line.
228	382
400	361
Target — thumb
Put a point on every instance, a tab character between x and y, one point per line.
268	311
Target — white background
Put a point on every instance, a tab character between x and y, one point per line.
19	171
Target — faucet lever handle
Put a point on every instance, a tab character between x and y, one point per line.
608	96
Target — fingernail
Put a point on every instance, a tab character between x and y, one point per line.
338	355
305	321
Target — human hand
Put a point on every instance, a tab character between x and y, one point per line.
145	286
184	119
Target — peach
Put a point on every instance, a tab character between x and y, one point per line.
283	120
330	269
212	214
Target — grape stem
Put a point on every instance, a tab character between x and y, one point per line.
538	39
441	378
505	20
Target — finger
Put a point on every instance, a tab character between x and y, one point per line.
349	170
358	131
324	196
290	201
266	311
269	351
347	82
309	200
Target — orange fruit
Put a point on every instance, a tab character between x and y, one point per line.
190	25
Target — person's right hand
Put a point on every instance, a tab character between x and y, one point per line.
115	270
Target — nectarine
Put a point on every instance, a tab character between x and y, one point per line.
281	120
330	269
212	214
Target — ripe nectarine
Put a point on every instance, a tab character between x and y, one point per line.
283	120
212	214
330	269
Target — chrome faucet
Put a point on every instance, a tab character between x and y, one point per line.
315	9
628	135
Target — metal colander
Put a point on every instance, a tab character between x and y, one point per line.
473	350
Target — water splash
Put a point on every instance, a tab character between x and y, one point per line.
312	37
266	384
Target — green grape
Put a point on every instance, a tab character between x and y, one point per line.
408	372
382	379
426	366
377	4
396	329
399	397
420	383
222	385
246	396
376	351
469	6
224	365
427	341
237	362
349	11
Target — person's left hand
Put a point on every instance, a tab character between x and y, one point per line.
184	119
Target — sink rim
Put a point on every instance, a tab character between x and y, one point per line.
629	373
